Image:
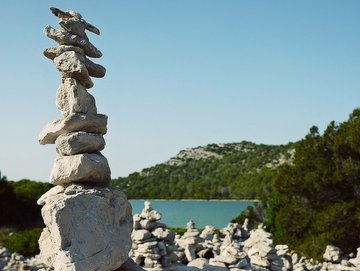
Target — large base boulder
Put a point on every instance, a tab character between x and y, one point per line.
87	228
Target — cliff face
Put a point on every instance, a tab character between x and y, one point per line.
241	170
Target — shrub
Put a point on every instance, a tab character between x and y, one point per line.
24	242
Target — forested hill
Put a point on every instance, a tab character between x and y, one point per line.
242	170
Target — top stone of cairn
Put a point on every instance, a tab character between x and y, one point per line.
72	31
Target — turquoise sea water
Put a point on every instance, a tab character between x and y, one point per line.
176	213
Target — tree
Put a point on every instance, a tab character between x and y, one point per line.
317	200
3	178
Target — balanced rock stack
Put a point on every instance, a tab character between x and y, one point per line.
231	255
88	224
153	244
190	243
259	248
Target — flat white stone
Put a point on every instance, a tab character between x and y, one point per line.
73	123
85	168
52	52
79	142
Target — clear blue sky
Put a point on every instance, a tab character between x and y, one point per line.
181	74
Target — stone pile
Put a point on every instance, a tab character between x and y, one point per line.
190	243
153	244
231	255
14	262
259	248
88	223
336	260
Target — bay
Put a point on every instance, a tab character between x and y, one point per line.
176	213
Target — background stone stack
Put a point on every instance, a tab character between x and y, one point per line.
190	243
153	244
88	224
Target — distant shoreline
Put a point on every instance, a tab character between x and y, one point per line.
225	200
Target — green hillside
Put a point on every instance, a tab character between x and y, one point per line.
242	170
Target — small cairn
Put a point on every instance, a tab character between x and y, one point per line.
190	243
153	244
231	255
88	223
259	248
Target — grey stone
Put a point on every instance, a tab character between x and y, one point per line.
65	38
199	263
95	70
332	254
139	235
74	122
130	265
72	97
53	52
72	65
79	142
164	234
88	168
74	26
180	267
87	228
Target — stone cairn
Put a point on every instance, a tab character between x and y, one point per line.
88	224
153	245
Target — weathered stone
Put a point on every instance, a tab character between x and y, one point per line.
73	123
190	252
180	267
208	232
72	65
87	228
213	263
164	234
74	26
226	260
282	250
79	142
130	265
139	235
199	263
72	97
52	52
85	168
332	254
95	70
65	38
151	225
259	261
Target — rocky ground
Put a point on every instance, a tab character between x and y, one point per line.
234	248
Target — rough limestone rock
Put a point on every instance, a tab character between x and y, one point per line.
74	26
79	142
72	97
72	65
96	238
199	263
85	168
332	254
73	123
53	52
65	38
95	70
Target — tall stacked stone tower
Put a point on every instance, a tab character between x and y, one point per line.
88	223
